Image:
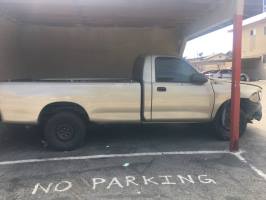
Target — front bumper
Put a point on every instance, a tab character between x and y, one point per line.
252	110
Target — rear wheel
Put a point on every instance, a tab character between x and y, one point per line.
65	131
223	120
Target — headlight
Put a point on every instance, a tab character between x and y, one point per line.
255	97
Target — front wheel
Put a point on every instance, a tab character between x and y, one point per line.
65	131
222	123
244	77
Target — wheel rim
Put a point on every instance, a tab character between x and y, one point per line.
64	132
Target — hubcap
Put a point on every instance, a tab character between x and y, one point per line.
64	132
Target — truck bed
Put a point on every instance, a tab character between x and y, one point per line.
105	100
105	80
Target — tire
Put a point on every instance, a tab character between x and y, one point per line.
244	77
65	131
222	123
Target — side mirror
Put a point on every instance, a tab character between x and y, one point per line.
199	79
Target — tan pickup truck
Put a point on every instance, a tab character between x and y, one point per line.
162	89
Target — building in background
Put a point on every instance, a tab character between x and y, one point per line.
213	62
254	47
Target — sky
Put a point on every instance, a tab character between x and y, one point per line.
220	41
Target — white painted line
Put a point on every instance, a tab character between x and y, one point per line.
255	169
239	156
110	156
236	154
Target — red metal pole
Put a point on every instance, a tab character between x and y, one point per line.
235	92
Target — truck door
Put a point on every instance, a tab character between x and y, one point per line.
175	97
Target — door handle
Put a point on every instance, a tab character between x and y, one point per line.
161	89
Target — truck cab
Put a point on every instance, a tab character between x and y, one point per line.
172	90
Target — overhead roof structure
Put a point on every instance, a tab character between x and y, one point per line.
52	36
192	17
253	7
255	19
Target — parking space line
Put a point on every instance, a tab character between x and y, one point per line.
255	169
110	156
236	154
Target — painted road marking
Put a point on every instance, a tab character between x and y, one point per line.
236	154
110	156
255	169
133	182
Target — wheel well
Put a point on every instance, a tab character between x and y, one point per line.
242	100
53	108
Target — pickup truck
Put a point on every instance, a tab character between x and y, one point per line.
163	89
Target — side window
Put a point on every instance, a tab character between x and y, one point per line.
173	70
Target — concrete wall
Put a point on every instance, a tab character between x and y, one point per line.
52	52
9	56
45	45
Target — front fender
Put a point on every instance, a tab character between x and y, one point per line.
222	91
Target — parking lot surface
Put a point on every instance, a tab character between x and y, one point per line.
135	162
